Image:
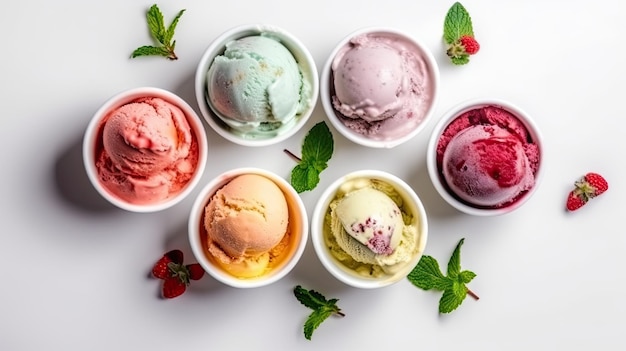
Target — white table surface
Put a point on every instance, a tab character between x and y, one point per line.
75	269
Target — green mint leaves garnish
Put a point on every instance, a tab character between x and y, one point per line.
322	308
457	24
317	149
162	34
427	275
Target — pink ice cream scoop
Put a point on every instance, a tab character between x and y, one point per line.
487	158
370	82
148	151
382	85
487	166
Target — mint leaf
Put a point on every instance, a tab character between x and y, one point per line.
454	264
427	275
460	60
304	176
156	24
309	298
150	51
162	35
457	23
466	276
322	308
318	144
315	320
169	34
317	150
449	301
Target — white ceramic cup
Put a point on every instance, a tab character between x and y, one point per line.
411	203
436	175
217	47
327	87
298	224
93	134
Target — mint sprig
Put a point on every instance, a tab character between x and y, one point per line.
457	24
322	308
427	275
161	34
317	150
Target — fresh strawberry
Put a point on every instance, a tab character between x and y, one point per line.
574	201
161	269
597	182
196	272
173	287
470	44
175	274
586	188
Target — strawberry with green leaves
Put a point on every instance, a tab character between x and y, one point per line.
176	276
458	33
586	188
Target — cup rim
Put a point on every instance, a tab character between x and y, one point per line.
325	82
196	215
331	264
446	119
216	46
124	97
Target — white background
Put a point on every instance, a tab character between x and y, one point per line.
75	269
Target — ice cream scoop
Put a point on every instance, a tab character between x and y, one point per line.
484	157
246	222
147	150
372	218
237	229
257	85
146	136
370	79
486	165
371	229
379	86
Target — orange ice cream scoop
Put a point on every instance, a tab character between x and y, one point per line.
246	223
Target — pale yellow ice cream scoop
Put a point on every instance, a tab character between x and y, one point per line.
369	230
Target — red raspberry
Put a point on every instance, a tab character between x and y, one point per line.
470	44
